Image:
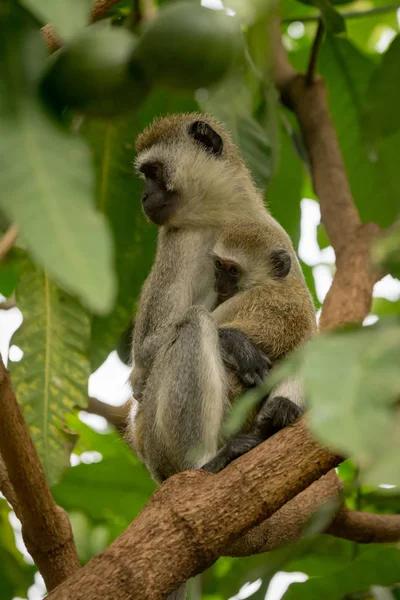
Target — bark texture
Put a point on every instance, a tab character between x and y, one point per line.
46	528
194	516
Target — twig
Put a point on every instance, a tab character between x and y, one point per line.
8	241
46	528
6	488
116	415
312	65
100	7
351	14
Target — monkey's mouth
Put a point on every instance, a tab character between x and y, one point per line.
159	211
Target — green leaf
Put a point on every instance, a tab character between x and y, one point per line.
231	102
67	16
333	21
383	307
16	576
122	484
386	251
118	194
8	279
53	374
382	116
284	192
379	566
53	205
352	382
322	237
374	176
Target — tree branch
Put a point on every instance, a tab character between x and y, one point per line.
46	528
365	528
177	535
8	241
116	415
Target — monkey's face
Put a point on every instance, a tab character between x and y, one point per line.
177	172
194	175
158	202
227	278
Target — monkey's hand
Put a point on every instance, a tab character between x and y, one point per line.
243	356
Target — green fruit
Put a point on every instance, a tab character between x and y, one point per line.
188	46
91	74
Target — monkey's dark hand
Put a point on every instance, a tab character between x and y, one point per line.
243	356
274	415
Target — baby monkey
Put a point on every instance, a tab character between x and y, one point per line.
260	290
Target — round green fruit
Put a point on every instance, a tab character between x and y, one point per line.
188	46
91	74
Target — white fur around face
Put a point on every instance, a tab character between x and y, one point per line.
210	187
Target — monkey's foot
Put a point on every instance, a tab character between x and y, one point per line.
274	415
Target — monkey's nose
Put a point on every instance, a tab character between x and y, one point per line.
144	197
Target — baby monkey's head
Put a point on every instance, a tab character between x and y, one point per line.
248	255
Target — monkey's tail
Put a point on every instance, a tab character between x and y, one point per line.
179	594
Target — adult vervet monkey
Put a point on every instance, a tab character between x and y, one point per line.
196	184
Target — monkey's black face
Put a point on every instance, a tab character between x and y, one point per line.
159	203
227	276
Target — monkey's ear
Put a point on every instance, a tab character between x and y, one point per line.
203	133
281	262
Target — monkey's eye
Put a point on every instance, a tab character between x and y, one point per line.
152	171
234	271
218	264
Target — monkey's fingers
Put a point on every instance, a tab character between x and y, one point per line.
236	447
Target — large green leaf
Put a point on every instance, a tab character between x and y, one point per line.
45	174
352	381
378	566
121	484
118	193
231	102
332	19
52	376
16	576
373	172
382	116
285	190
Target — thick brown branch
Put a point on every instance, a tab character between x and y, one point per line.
8	241
177	535
365	528
288	523
46	528
116	415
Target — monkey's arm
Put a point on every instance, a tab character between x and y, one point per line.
276	322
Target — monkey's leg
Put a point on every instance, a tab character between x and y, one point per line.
274	415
